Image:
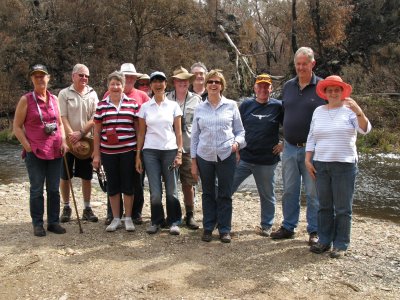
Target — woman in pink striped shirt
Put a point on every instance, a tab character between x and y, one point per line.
114	145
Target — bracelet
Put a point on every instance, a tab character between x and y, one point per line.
359	115
179	150
82	133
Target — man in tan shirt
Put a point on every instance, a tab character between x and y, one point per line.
77	107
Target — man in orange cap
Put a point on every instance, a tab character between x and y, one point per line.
261	117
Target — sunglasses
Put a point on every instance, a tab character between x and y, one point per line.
214	82
83	75
143	84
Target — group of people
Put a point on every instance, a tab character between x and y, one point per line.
195	132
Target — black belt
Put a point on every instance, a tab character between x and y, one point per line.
299	145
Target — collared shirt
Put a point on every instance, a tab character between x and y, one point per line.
121	119
138	95
333	135
78	109
44	146
299	105
214	130
160	134
187	107
261	122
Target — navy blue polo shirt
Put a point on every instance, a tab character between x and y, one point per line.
299	106
261	123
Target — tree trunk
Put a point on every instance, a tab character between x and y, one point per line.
294	33
316	19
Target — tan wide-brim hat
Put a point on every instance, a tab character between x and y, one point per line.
183	74
86	151
333	80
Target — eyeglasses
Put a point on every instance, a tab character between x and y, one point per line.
83	75
214	81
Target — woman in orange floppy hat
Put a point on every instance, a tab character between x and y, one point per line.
331	159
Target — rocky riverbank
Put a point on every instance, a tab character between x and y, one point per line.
122	265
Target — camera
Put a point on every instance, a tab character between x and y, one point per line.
49	128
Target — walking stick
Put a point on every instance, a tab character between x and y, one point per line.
73	195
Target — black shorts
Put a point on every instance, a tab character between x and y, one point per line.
119	169
81	168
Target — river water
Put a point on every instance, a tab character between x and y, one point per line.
377	190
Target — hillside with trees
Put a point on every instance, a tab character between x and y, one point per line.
358	40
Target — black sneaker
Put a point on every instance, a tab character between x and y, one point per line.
282	233
319	248
207	236
190	221
108	220
225	237
66	214
138	220
39	231
56	228
88	215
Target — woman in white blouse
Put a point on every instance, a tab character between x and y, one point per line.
160	138
331	159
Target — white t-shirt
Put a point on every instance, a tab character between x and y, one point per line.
159	120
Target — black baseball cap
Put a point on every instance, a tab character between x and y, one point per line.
38	68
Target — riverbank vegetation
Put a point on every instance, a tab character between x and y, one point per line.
360	41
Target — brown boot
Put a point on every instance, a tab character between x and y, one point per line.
190	222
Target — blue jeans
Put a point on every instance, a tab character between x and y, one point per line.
39	172
157	163
217	204
335	188
264	175
293	173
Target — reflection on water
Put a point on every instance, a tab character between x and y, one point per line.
377	190
12	167
378	186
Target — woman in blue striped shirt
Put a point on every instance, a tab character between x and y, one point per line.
217	134
331	160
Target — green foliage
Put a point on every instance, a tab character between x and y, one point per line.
384	115
6	135
379	140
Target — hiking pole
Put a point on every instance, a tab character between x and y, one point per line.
72	192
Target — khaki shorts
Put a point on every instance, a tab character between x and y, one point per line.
185	173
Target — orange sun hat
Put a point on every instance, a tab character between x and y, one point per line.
333	80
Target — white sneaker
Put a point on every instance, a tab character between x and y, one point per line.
152	228
174	230
129	224
114	225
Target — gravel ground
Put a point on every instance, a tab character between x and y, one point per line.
122	265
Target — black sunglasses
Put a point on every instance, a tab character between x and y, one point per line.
213	81
83	75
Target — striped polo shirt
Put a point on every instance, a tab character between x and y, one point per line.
121	119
